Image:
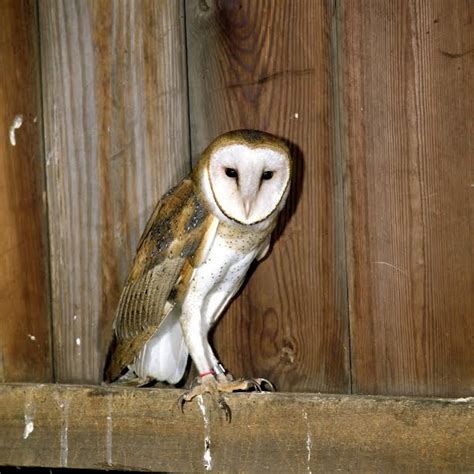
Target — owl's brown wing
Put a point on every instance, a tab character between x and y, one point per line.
173	243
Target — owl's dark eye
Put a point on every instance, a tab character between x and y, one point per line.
231	173
267	175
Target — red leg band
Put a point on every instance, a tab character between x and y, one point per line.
209	372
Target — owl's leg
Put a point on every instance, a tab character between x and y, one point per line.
213	379
195	341
214	307
195	329
225	381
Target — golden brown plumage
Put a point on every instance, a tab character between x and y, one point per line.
167	252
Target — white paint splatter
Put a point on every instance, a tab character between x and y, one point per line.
296	115
17	122
63	441
207	458
78	341
463	400
29	427
309	442
29	419
108	433
33	338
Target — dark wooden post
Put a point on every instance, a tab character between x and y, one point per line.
25	346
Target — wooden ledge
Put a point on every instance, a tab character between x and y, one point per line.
142	429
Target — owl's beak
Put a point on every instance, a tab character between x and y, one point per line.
247	205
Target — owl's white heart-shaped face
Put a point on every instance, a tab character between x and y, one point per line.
249	183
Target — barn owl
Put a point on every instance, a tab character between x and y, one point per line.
192	259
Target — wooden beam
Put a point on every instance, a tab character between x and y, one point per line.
142	429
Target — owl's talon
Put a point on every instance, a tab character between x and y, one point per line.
216	388
223	405
261	384
181	401
255	385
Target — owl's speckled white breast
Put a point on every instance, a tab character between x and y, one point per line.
219	277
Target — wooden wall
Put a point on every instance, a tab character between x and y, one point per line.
257	64
409	106
116	138
25	345
368	288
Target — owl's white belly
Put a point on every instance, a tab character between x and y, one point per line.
212	285
219	277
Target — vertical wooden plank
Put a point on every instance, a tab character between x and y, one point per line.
265	65
25	347
409	80
116	139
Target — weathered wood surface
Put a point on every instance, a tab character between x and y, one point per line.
266	65
116	138
142	429
25	353
408	81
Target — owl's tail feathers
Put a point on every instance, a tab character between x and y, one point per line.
164	357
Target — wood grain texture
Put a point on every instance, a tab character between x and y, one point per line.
116	140
265	65
408	72
143	430
25	346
